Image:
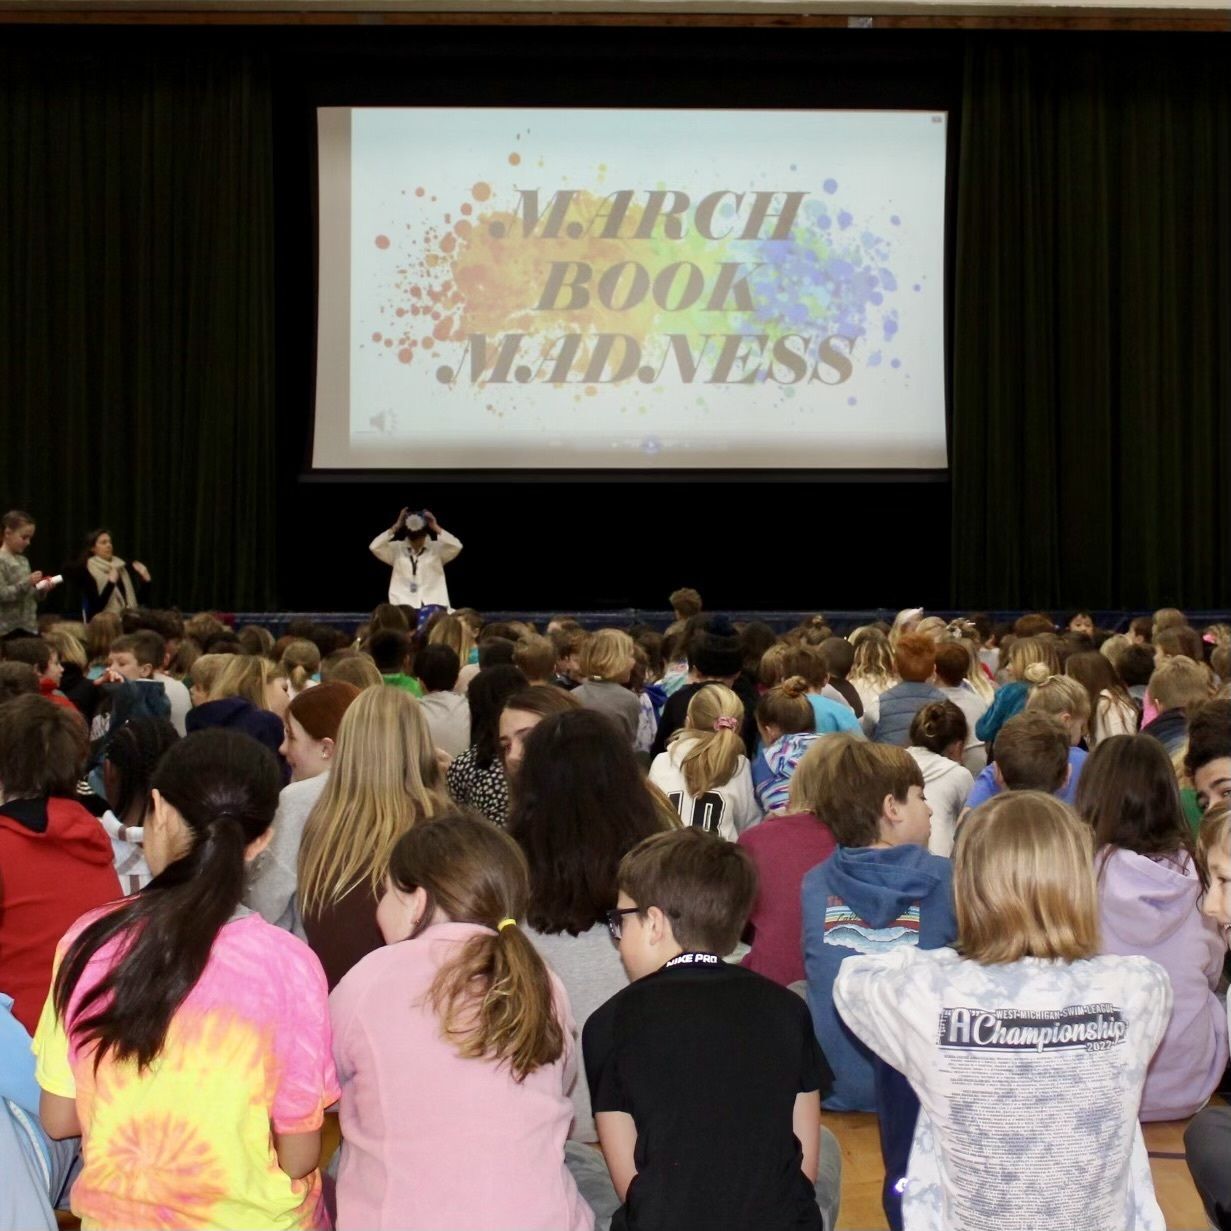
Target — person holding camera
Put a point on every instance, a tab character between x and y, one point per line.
417	558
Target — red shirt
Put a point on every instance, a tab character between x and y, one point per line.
47	879
785	849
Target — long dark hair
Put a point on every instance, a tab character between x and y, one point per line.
1128	795
135	751
580	806
488	692
225	786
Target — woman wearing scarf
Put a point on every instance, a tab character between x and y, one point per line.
112	584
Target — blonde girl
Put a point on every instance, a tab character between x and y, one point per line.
301	660
1019	1037
257	680
100	632
872	672
385	779
704	772
607	663
1031	660
457	1024
1066	699
240	695
457	634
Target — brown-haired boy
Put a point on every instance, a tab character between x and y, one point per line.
1033	753
705	1077
880	890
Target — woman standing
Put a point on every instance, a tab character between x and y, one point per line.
110	586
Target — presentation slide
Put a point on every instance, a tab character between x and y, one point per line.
630	289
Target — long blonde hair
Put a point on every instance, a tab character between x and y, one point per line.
385	778
1023	881
873	665
244	675
453	631
495	997
710	743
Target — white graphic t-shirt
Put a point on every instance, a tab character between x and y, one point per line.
727	810
1029	1077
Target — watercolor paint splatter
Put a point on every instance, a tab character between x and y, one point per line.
477	270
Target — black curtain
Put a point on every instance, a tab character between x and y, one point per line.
1092	323
136	310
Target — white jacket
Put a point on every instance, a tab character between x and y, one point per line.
418	580
946	784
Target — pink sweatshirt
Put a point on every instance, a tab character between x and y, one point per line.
431	1140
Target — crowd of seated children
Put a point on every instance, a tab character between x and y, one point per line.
819	849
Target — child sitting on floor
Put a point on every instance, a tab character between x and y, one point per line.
700	1128
455	1049
1027	1050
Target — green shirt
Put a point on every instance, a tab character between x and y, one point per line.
407	683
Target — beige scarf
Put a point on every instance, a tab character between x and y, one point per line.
123	595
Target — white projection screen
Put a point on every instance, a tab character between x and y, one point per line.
630	290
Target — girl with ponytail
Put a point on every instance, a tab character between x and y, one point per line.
455	1047
185	1039
704	771
786	723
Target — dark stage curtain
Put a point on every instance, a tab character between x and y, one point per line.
136	312
1092	327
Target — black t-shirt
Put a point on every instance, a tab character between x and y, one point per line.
708	1060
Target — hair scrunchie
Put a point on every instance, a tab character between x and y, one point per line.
726	723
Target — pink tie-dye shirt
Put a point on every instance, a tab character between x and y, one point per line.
188	1143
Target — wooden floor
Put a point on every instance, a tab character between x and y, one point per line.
862	1174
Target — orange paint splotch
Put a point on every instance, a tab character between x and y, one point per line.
389	342
401	312
376	337
405	355
463	228
481	191
467	208
448	243
429	342
418	192
382	241
514	159
416	291
442	331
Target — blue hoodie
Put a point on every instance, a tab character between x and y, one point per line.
867	900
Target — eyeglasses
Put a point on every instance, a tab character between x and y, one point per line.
615	919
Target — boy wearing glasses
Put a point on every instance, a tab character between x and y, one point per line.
705	1077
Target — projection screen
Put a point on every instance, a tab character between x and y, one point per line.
630	289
